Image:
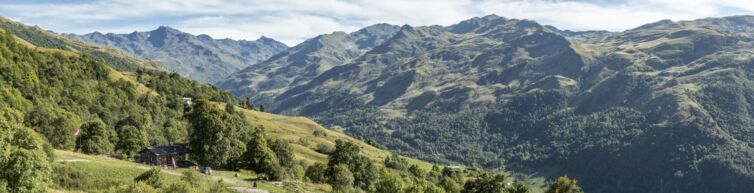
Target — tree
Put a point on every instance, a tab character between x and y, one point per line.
261	158
348	153
317	173
450	185
283	151
249	104
564	185
56	125
261	108
417	171
131	140
95	138
213	139
24	159
151	177
230	108
395	161
518	188
342	178
365	173
389	183
486	184
423	186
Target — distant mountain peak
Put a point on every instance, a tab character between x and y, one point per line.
199	57
477	23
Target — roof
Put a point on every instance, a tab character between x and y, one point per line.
167	149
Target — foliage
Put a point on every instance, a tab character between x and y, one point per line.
215	138
95	138
423	186
450	186
180	187
348	153
220	187
317	173
69	178
138	187
486	184
389	182
57	89
152	177
191	177
131	140
324	148
283	151
261	158
24	160
395	161
298	172
341	178
564	185
56	125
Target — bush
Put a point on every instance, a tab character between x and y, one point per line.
180	187
191	177
138	187
69	178
324	148
317	173
319	133
151	177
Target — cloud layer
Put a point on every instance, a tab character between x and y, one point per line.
294	21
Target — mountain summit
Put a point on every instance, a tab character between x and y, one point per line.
198	57
307	60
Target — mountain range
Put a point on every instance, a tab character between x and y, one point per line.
664	107
197	57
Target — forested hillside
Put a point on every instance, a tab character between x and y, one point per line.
664	107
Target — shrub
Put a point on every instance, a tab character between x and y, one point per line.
151	177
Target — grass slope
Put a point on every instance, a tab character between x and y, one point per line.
104	172
294	129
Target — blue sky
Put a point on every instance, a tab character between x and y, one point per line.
292	21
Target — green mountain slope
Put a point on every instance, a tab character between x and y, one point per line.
197	57
44	39
301	63
664	107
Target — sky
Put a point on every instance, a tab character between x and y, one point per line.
293	21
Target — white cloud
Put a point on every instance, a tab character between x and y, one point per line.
293	21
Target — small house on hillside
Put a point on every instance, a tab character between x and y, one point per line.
168	156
